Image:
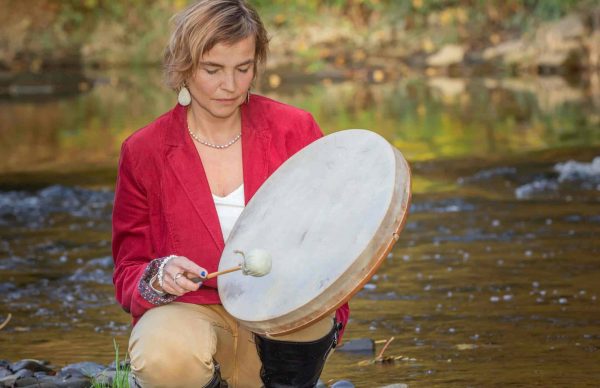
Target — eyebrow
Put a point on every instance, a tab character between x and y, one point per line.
248	62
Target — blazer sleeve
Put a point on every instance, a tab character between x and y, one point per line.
130	236
309	133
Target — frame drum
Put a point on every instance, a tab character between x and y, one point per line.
328	216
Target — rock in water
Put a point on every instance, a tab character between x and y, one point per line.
342	384
358	345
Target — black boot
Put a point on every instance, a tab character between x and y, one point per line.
288	364
216	381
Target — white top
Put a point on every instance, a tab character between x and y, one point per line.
229	209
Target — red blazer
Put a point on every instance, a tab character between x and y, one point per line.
163	204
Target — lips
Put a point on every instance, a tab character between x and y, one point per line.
226	100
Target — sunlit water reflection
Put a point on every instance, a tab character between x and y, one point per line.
494	280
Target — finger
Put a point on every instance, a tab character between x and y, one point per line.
175	264
172	281
189	266
194	278
187	284
179	280
173	288
191	270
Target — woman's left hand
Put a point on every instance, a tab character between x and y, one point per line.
174	280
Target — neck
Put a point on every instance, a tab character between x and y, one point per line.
213	129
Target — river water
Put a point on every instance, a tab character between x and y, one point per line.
494	282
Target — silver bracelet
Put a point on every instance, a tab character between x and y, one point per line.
161	273
151	284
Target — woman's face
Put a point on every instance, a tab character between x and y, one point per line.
224	75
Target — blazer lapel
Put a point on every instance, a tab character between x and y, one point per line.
189	171
187	166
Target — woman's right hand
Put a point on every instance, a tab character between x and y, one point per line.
174	280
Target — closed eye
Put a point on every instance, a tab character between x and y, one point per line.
211	71
244	69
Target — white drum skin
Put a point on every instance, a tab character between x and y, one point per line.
328	217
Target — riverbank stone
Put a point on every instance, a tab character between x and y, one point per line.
34	373
26	381
132	382
75	382
30	364
106	377
8	381
124	364
24	373
86	368
42	384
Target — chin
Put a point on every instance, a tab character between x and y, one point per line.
220	111
224	113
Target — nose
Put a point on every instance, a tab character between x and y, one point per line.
228	84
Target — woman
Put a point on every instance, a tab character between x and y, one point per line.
183	180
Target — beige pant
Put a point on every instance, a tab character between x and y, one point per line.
174	346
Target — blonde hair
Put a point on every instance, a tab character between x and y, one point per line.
201	26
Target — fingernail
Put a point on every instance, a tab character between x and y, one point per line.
203	274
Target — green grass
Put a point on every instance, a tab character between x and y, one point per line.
121	379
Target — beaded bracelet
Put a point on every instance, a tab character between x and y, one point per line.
161	274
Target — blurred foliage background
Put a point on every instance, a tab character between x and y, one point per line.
364	58
35	34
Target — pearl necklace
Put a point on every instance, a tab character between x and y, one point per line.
211	145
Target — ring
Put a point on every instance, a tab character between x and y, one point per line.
177	276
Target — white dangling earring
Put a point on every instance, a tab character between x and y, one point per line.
184	98
248	97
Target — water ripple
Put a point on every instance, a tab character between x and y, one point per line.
450	205
34	210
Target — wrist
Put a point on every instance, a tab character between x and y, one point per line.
145	285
